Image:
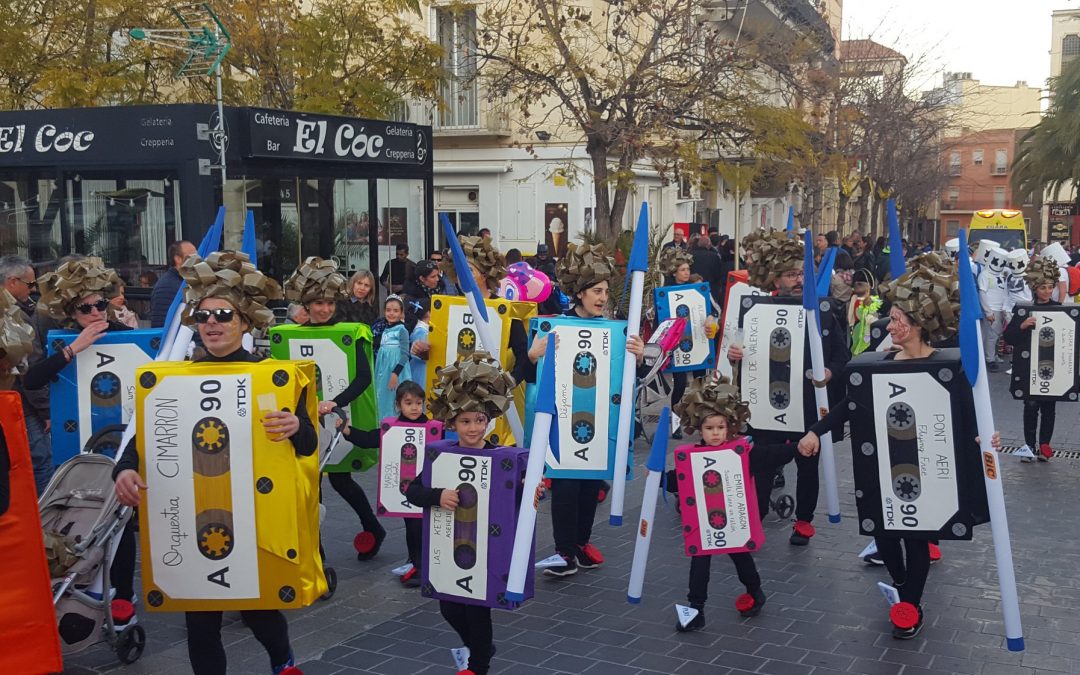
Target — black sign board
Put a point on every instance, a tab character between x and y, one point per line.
293	135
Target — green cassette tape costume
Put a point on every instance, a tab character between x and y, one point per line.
335	349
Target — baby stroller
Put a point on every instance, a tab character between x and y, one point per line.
81	516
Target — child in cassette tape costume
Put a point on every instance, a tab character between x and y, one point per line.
76	296
925	309
716	409
777	263
467	396
585	274
317	285
1042	277
226	298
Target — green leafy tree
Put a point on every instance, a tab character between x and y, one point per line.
1049	156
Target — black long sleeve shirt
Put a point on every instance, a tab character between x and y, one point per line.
47	369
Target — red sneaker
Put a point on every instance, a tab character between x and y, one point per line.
935	553
465	672
1045	452
907	620
291	670
411	579
750	604
593	554
801	533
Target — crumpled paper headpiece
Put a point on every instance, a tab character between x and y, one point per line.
771	255
315	279
229	275
672	258
706	397
72	281
16	335
929	295
1042	271
583	266
476	383
481	254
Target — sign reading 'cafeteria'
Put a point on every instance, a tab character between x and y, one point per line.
281	134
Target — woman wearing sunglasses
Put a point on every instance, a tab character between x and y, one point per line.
226	298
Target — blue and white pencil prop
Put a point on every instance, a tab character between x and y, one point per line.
639	263
897	267
791	222
655	465
971	354
248	246
817	364
476	299
521	557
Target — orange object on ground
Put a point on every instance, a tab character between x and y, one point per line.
28	637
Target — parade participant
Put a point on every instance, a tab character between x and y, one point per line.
584	274
467	397
319	288
16	339
120	312
716	409
362	304
777	264
925	310
392	361
419	336
409	401
863	309
996	304
226	298
1042	277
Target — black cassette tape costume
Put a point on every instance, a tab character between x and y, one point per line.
317	285
777	263
224	309
701	402
478	387
925	310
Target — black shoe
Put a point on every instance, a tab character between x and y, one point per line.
873	559
677	435
697	623
992	367
779	482
567	570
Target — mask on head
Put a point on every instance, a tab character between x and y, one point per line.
982	254
1017	262
952	248
997	261
1057	253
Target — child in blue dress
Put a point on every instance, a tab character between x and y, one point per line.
392	362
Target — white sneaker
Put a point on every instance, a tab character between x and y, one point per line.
1025	454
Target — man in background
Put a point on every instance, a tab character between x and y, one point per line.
161	297
398	271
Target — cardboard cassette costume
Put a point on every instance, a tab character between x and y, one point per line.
918	471
28	632
468	550
691	302
402	456
335	349
1045	367
230	518
775	358
453	336
718	500
97	389
588	380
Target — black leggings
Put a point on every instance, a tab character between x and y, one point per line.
700	566
573	510
206	652
352	493
806	486
414	535
122	571
909	575
1032	410
473	624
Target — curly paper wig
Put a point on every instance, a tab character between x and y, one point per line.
229	275
930	297
476	383
72	281
582	267
705	398
481	254
773	254
316	279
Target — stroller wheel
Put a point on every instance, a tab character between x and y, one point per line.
331	583
130	644
784	506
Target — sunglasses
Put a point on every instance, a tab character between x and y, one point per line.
87	307
221	314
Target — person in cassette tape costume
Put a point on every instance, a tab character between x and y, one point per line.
467	396
777	263
925	310
76	296
226	298
585	274
716	409
317	285
1042	277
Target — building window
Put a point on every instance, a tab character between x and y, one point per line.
455	31
999	197
1070	47
1001	161
954	195
952	228
977	157
954	163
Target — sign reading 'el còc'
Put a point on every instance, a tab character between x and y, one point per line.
276	133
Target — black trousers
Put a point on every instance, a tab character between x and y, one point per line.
414	536
352	493
573	510
473	625
908	571
206	652
700	567
807	486
1032	411
122	571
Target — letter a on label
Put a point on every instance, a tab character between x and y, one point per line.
219	577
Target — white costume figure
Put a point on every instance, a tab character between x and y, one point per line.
1015	265
994	296
1057	253
952	248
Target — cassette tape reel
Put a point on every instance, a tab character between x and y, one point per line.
465	527
1046	353
409	456
466	342
583	419
901	429
713	492
780	368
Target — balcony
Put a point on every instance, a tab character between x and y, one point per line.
999	171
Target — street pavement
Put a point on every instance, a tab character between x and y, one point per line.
824	613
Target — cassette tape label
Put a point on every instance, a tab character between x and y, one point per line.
721	500
200	500
1053	345
582	389
771	375
333	363
458	539
110	396
402	458
690	302
916	458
